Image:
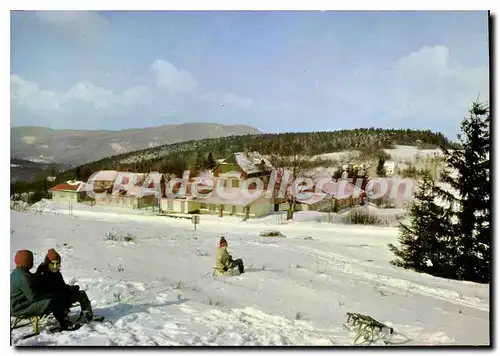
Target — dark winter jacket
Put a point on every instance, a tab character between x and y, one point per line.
24	297
51	283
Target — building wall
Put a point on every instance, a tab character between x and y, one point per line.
259	208
179	205
324	205
64	196
102	184
117	200
227	167
149	200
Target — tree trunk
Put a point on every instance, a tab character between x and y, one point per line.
291	209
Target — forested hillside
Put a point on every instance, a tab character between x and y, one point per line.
175	158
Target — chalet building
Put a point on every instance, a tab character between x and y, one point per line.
71	191
243	165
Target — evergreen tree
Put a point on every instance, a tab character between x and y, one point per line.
210	161
78	173
380	167
424	242
453	240
200	162
469	201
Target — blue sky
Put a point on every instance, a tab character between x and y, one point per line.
277	71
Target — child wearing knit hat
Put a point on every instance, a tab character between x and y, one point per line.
52	283
224	261
25	298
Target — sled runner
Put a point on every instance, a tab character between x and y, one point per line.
368	328
229	272
17	322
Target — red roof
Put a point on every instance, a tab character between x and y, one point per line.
66	186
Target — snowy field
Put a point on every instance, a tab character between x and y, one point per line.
159	290
400	153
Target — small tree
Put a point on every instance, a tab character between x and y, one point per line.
200	163
424	242
210	161
380	167
410	172
290	163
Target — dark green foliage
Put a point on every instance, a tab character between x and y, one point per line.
380	167
358	177
210	161
176	165
425	238
455	237
410	172
310	142
169	158
472	183
361	217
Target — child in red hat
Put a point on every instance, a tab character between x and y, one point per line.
52	283
26	299
224	261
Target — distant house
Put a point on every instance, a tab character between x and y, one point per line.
205	197
156	180
315	202
124	189
125	180
177	201
237	202
242	165
345	193
395	192
71	191
329	195
389	167
141	197
103	180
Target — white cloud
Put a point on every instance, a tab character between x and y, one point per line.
29	95
88	24
170	78
88	93
429	64
172	91
429	81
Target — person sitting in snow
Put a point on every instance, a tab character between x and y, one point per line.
224	261
51	282
25	298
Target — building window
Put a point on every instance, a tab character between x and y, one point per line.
203	206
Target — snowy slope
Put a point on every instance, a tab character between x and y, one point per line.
159	289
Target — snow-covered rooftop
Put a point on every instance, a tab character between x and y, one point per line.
250	162
107	176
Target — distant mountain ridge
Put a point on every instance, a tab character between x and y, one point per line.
76	147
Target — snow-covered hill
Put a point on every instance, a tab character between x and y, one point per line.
159	290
